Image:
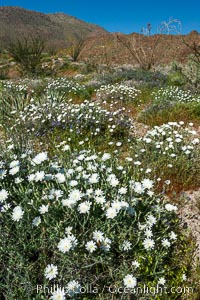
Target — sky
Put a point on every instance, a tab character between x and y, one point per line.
121	15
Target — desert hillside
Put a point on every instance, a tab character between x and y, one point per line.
57	29
164	48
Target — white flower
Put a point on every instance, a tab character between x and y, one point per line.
136	264
39	158
60	177
150	193
167	182
138	188
148	244
124	204
3	195
187	152
66	148
89	192
39	176
147	140
84	207
91	246
162	281
100	200
43	209
79	169
148	233
73	288
68	230
106	156
130	281
75	195
69	203
184	277
18	180
195	141
116	205
17	213
14	163
173	236
37	221
170	207
81	157
14	170
31	177
118	144
111	213
166	243
151	220
114	182
94	178
55	194
98	236
126	245
11	146
178	140
51	271
65	245
129	159
106	244
59	294
73	183
111	176
72	239
147	183
122	191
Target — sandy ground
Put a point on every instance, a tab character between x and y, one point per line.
190	216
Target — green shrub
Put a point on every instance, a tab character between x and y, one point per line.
27	52
176	79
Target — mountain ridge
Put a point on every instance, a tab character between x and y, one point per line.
58	29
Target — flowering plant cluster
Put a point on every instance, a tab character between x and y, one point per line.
86	219
20	87
38	118
65	87
175	94
172	139
79	202
117	91
171	152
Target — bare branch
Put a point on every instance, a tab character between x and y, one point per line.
172	26
143	47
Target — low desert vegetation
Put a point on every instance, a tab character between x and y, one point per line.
93	165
